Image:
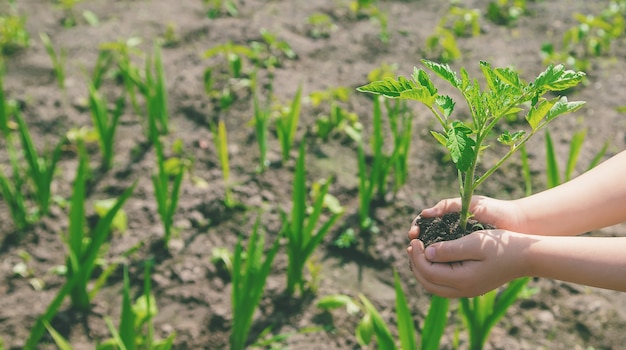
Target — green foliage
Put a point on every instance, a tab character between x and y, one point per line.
553	174
13	33
457	22
220	139
261	121
218	8
301	229
506	12
82	254
321	25
373	326
58	60
248	279
105	125
481	313
505	93
287	124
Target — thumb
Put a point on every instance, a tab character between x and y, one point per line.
455	250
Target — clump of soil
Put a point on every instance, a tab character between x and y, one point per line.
446	228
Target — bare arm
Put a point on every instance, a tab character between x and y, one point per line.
591	201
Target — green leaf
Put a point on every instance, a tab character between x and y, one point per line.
331	302
420	94
446	105
552	167
384	339
538	112
421	77
444	71
460	145
388	87
441	138
365	330
563	107
435	323
556	78
406	328
508	139
59	340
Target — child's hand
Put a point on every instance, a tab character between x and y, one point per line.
500	213
472	265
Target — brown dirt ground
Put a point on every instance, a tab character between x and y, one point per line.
193	297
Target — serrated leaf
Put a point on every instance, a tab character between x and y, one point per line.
444	71
388	87
446	105
420	94
556	78
563	107
508	139
460	145
421	77
538	112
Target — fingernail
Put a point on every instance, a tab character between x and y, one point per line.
430	252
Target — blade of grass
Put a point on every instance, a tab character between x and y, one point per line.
576	144
406	328
552	167
435	323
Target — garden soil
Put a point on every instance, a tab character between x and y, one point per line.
192	291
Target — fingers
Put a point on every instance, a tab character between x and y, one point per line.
432	276
444	206
462	249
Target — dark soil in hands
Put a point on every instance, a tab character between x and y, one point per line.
446	228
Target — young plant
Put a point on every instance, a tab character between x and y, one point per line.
373	325
13	33
58	60
506	12
170	172
40	169
136	329
553	174
220	139
321	25
287	125
249	275
82	255
105	125
506	93
301	231
481	313
217	8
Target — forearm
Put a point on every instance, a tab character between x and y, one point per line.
593	261
591	201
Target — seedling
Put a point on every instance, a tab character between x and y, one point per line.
506	12
40	169
321	25
553	174
480	314
337	120
217	8
506	93
58	60
82	255
67	6
13	33
373	325
287	125
249	275
301	231
105	125
270	52
220	139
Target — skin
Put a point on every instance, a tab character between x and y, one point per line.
537	236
